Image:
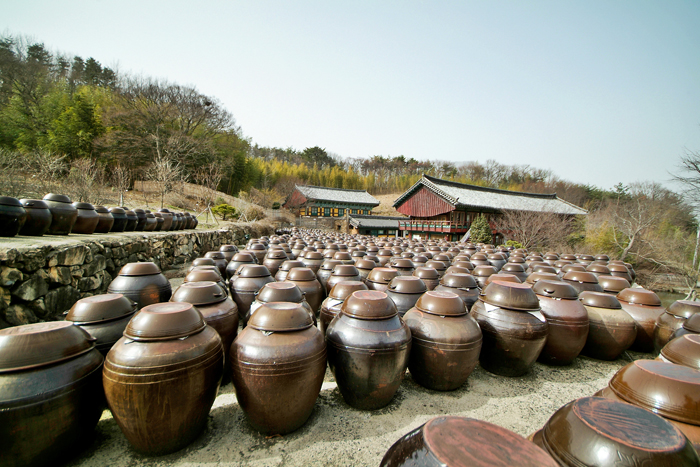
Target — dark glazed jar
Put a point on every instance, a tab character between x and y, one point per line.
131	220
38	217
342	272
219	260
670	321
143	283
324	273
613	284
513	327
50	393
206	274
278	363
167	219
403	265
287	266
313	260
305	279
405	292
274	259
141	219
445	341
168	353
482	272
464	285
644	306
515	269
583	281
258	250
104	317
683	350
87	220
430	276
237	260
567	319
611	331
160	221
332	304
368	349
464	442
120	219
380	277
279	292
151	222
105	220
246	284
364	267
12	216
63	214
229	251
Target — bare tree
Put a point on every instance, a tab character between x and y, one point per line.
120	178
207	179
14	173
535	229
85	181
49	169
166	173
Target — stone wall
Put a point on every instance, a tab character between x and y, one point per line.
42	277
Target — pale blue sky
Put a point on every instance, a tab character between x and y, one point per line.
600	92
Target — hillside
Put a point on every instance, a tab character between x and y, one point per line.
386	208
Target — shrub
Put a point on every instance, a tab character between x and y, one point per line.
481	231
225	210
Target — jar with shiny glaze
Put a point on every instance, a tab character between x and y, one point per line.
160	221
104	317
445	343
244	286
87	219
50	393
405	292
380	277
167	219
464	285
274	259
197	262
105	220
189	221
613	285
611	331
368	349
219	260
313	260
120	220
364	267
439	266
206	274
229	251
513	327
384	256
464	442
403	265
305	279
502	277
667	323
12	216
38	217
278	363
141	220
258	250
479	259
644	306
567	319
482	272
143	283
63	214
237	260
583	281
279	292
515	269
287	266
324	273
620	270
167	354
131	220
332	304
430	276
343	272
683	350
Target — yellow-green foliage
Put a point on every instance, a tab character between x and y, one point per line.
601	239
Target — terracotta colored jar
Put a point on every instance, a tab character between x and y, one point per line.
445	343
313	260
567	319
464	442
217	308
120	220
167	219
583	281
104	317
50	393
274	259
244	286
342	272
611	331
278	363
683	350
279	292
143	283
105	220
12	216
368	349
219	260
237	260
513	327
644	306
229	251
168	353
324	273
87	219
63	214
464	285
380	277
131	220
287	266
305	279
405	292
38	217
430	276
667	323
332	304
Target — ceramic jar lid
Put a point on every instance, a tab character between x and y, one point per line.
243	257
313	255
9	201
342	256
200	274
215	255
223	247
638	296
573	267
513	267
683	350
407	285
510	295
502	277
365	264
301	274
684	308
101	210
580	276
57	198
280	292
39	344
692	324
32	204
369	305
613	284
341	290
345	270
600	300
442	303
544	268
118	211
84	206
598	268
253	270
382	275
402	263
103	307
329	264
276	254
459	281
163	321
479	257
199	293
203	262
290	264
484	271
555	289
281	317
145	268
426	273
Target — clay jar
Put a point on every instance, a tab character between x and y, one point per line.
12	216
217	308
120	220
38	217
644	306
429	276
219	260
258	250
206	274
364	267
104	317
439	266
368	349
567	319
445	343
167	219
305	279
667	323
274	259
141	222
197	262
683	350
583	281
162	377
278	363
403	265
63	214
331	305
343	272
513	328
244	286
464	285
481	273
515	269
379	278
50	393
405	292
611	331
313	260
279	292
237	260
691	326
160	221
287	266
143	283
324	273
229	251
105	220
87	219
613	284
464	442
131	220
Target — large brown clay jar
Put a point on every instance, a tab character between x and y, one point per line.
305	279
287	266
274	259
50	393
237	260
105	220
691	326
445	341
464	285
120	220
313	260
667	323
162	377
279	292
613	284
644	306
143	283
368	349
324	273
380	277
131	220
278	363
167	219
583	281
206	273
12	216
332	304
63	214
405	292
683	350
245	285
482	272
87	219
343	272
611	331
219	260
38	217
513	327
430	276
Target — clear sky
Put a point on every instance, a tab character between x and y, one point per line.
600	92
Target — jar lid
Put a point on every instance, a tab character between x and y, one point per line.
57	198
223	247
516	259
301	274
580	276
484	270
139	211
343	289
329	264
9	201
407	285
345	270
479	257
555	289
598	268
613	283
519	297
39	344
84	206
459	281
253	270
385	252
684	308
163	321
200	274
600	300
683	350
513	267
426	273
402	263
243	257
502	277
369	305
573	267
437	265
33	204
313	255
382	275
586	258
342	256
544	268
568	257
276	254
291	264
615	267
457	270
214	255
101	209
534	277
145	268
101	308
117	210
365	264
638	296
203	262
280	292
199	293
442	303
164	210
281	317
130	213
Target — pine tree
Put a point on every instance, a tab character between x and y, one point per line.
481	231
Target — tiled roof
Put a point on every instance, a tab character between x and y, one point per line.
337	195
375	222
463	195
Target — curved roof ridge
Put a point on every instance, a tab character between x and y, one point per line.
489	189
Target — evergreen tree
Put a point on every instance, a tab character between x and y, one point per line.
481	231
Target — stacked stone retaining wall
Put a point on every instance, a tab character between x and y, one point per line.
42	277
